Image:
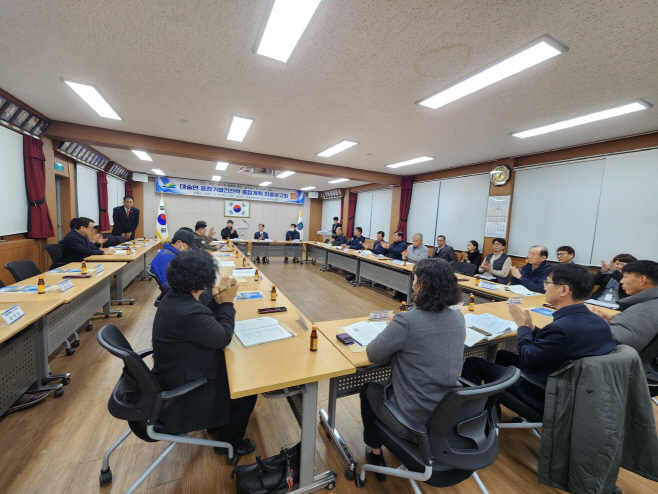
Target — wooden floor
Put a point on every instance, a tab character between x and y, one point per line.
57	446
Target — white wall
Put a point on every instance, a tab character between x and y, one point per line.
86	188
187	210
330	209
13	199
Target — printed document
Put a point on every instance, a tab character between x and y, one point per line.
486	326
364	332
260	330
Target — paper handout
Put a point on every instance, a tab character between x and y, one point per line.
260	330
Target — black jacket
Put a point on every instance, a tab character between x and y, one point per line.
226	233
76	247
446	252
339	240
124	224
292	235
602	280
188	344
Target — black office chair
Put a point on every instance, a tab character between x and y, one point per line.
459	439
465	268
138	399
55	253
527	417
649	357
163	290
22	270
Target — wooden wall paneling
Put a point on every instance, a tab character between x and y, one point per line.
22	249
395	212
503	190
346	209
67	191
315	221
138	196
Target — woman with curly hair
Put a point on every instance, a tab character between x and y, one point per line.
189	338
426	348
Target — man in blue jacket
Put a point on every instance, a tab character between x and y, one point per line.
291	236
356	242
182	241
76	245
377	246
397	247
575	332
533	274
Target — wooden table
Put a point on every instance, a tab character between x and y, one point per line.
20	352
286	364
270	248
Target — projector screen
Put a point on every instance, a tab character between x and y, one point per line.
86	188
13	199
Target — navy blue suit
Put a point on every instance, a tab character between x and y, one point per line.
75	247
340	240
532	279
378	249
356	242
396	249
290	236
258	234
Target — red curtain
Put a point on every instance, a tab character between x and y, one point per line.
39	224
405	201
342	208
350	214
129	189
102	201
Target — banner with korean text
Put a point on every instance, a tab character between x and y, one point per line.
204	188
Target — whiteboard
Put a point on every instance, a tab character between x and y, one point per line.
423	210
86	188
555	205
628	211
330	208
363	212
462	211
380	218
13	199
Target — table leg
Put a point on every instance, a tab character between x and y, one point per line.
358	271
119	300
309	409
328	419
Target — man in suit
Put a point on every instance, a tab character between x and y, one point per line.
444	251
188	344
575	332
334	227
261	235
76	245
125	220
339	239
291	235
533	274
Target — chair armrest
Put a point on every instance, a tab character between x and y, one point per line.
465	383
533	381
144	353
417	429
181	390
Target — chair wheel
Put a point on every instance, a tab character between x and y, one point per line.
313	262
75	344
107	316
359	483
119	314
70	351
66	380
330	486
106	477
131	303
59	392
233	461
90	327
349	474
516	420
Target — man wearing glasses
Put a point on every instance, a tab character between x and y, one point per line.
565	254
533	274
76	244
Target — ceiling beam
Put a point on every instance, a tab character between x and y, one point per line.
83	134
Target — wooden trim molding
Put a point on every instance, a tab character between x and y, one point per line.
5	94
66	131
456	172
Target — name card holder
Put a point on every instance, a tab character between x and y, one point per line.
65	285
12	314
99	268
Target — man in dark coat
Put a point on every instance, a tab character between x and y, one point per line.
125	220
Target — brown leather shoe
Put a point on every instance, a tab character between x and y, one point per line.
26	401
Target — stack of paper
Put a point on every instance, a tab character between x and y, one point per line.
487	276
608	305
364	332
260	330
225	264
60	270
247	272
485	327
520	290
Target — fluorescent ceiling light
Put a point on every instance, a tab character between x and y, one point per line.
519	60
337	148
286	24
308	188
284	174
221	165
411	162
592	117
142	155
93	98
157	172
338	180
239	128
215	178
264	184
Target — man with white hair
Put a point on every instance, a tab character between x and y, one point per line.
416	251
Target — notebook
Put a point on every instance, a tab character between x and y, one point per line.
260	330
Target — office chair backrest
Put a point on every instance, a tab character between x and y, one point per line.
465	268
134	396
55	252
157	280
2	285
22	270
111	240
462	429
649	357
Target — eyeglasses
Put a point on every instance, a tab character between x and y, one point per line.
546	283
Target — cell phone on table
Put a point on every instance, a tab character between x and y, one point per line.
77	276
549	306
269	310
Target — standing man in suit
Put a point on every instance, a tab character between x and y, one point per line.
443	250
125	220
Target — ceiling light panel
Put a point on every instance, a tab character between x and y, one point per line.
308	188
525	57
221	166
286	24
337	148
239	128
157	172
592	117
215	178
142	155
93	98
339	180
264	184
284	174
411	162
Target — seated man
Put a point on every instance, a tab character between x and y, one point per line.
609	277
637	325
377	246
291	235
261	234
76	245
188	343
182	241
443	250
203	241
565	254
339	238
497	264
335	227
228	233
356	242
396	248
574	333
125	220
417	251
533	274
